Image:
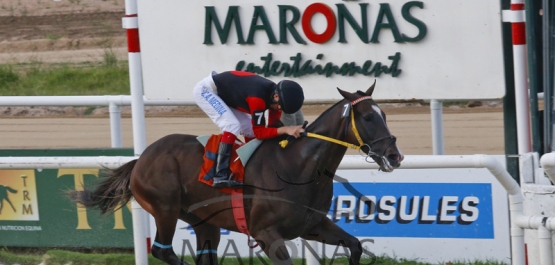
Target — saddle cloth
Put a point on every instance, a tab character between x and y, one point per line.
208	169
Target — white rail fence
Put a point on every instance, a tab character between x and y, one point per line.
114	104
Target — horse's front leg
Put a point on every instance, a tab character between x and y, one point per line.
274	246
329	233
208	239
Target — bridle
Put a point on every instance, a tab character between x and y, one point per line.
361	144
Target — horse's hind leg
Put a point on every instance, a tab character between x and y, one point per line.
166	220
331	234
274	246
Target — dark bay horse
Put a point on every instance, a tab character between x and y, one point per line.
287	191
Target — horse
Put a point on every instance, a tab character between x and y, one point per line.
4	196
287	191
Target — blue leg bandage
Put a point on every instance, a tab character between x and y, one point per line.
161	246
206	251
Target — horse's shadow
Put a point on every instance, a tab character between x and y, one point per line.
4	197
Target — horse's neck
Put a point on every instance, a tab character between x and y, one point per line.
330	125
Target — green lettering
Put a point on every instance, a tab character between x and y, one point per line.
285	26
240	65
365	67
395	62
266	68
306	68
295	67
301	68
385	11
259	12
223	33
344	14
422	29
274	68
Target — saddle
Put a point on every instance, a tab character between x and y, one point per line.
240	154
208	169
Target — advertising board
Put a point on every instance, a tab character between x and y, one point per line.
433	49
35	211
432	215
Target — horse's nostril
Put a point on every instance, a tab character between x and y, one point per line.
394	157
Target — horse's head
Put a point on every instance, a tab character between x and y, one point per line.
367	126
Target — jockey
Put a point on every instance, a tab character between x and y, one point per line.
236	102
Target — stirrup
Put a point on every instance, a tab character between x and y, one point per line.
228	183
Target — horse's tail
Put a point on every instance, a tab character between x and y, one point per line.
10	189
111	193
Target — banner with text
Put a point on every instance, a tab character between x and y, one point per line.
35	211
424	214
431	49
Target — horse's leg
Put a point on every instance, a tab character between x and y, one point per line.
165	229
208	239
155	184
274	246
331	234
165	211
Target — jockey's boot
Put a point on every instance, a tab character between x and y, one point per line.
222	179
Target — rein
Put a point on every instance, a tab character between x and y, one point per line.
361	143
339	142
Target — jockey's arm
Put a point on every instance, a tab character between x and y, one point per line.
258	107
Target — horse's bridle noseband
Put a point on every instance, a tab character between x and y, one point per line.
362	144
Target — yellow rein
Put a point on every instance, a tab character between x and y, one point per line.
284	143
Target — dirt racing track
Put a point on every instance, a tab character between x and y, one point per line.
474	132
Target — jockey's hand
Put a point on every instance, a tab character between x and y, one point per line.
294	131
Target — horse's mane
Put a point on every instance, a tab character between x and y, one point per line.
322	115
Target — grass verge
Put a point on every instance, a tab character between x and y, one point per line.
37	79
61	257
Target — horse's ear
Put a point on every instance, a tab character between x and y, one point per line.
371	89
346	95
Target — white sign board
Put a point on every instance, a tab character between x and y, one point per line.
432	49
432	215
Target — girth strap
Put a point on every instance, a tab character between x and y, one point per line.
239	211
238	208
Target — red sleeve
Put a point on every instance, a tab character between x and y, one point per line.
274	118
257	107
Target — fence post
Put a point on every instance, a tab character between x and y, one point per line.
115	125
141	236
436	108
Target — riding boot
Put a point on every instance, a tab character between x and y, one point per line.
222	179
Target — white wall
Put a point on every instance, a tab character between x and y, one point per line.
460	56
